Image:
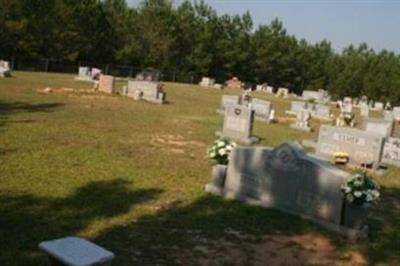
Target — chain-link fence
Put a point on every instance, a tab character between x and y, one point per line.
117	70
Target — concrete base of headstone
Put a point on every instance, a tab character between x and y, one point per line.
349	233
306	129
288	112
249	141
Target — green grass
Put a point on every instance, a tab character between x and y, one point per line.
130	176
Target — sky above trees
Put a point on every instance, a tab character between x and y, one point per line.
341	22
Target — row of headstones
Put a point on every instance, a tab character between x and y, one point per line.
137	89
304	111
5	70
88	74
378	142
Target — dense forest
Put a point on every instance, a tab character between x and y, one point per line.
192	38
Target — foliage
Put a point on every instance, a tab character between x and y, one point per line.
190	38
361	189
220	150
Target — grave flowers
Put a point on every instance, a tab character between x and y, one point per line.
219	154
360	191
341	157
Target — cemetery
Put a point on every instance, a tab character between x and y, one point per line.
131	168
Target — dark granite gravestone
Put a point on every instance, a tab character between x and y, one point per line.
364	148
287	179
238	124
227	100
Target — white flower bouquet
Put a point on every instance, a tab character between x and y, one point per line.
360	189
220	151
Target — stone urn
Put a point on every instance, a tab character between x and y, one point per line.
218	175
355	216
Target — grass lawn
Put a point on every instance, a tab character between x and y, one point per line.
130	176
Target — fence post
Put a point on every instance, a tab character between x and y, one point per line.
46	65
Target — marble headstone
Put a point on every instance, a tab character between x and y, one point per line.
151	90
302	121
295	107
262	109
322	111
227	100
107	84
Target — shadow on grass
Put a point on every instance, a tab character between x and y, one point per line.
26	220
170	237
9	108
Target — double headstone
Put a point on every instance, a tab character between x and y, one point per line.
148	90
286	178
227	100
238	124
364	148
262	109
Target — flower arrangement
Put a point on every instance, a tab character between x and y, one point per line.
341	157
361	190
220	151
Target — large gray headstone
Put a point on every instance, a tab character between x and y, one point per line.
302	121
261	109
378	126
151	91
391	151
287	179
364	148
238	124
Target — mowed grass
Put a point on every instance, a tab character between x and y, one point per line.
130	176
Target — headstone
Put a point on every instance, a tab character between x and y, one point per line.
149	75
319	96
75	251
388	106
207	82
310	107
150	91
396	113
107	84
347	105
270	89
95	73
261	109
364	148
364	110
84	74
217	86
381	127
396	129
286	178
234	83
322	112
238	124
295	107
259	87
282	92
378	106
302	121
391	151
388	115
5	70
227	100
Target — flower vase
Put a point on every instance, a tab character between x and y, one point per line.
355	216
218	175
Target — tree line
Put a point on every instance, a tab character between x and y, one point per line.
191	38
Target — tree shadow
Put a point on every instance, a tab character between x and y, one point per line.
9	108
26	220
